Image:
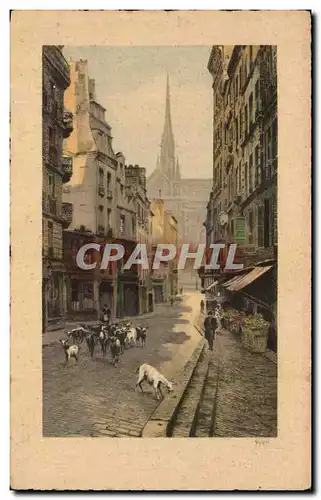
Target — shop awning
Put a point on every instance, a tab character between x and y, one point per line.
211	286
227	283
246	279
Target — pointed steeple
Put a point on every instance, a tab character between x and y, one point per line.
178	170
167	153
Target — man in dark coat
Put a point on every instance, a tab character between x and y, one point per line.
210	325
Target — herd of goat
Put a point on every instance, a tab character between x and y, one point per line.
113	337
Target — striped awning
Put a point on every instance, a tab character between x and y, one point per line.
239	282
211	286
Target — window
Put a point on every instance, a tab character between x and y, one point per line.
237	179
240	177
251	109
257	103
122	224
237	131
246	180
274	138
240	124
51	184
268	145
108	181
260	226
100	216
257	166
50	234
250	226
246	120
133	226
109	217
251	173
52	137
101	177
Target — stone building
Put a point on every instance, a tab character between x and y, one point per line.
164	230
91	195
185	198
57	169
242	206
136	187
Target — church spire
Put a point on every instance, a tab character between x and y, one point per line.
167	153
178	170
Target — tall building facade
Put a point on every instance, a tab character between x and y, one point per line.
107	204
57	169
242	206
91	195
185	198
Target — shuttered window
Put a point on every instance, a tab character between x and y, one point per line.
239	230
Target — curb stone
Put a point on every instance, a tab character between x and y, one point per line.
164	416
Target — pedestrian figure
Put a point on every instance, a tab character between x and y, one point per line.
171	301
218	317
106	314
181	290
202	306
210	326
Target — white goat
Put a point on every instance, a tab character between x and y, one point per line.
153	377
71	351
131	336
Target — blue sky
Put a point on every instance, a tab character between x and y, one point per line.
131	83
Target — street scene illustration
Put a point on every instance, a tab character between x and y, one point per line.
159	241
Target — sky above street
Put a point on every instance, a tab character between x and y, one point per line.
131	85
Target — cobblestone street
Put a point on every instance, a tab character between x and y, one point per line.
94	398
245	391
246	402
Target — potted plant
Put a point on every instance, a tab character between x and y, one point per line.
255	333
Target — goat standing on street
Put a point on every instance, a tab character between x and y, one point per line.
71	351
154	378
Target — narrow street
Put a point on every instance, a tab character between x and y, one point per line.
94	398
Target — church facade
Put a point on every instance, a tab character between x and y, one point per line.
186	199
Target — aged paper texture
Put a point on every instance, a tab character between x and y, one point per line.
54	436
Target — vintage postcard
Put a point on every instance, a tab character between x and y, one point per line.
160	250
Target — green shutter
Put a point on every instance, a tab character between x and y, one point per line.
240	229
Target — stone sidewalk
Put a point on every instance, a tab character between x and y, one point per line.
246	393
